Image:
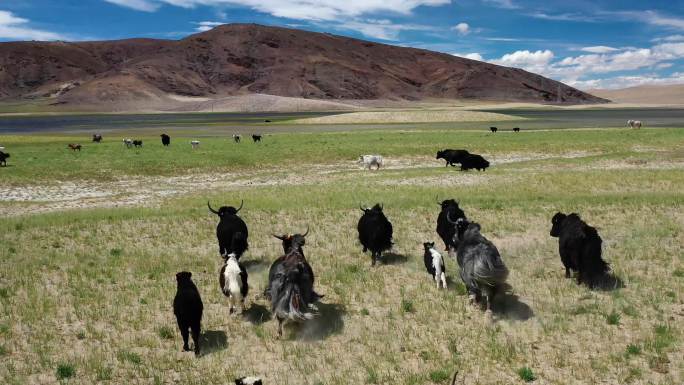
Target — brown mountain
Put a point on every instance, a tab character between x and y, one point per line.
240	59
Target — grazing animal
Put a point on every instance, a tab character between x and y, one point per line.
97	138
375	232
516	129
256	138
233	281
371	160
452	156
434	263
290	285
446	225
3	158
474	161
267	121
74	147
579	246
237	138
248	381
194	143
482	270
137	143
128	142
493	129
188	307
231	231
166	140
634	123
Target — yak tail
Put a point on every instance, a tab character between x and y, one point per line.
490	271
296	313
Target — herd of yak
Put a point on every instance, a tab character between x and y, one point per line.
291	279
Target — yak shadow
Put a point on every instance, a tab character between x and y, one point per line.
608	282
393	259
254	265
508	305
257	314
327	322
213	341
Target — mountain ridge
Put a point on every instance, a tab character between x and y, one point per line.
242	59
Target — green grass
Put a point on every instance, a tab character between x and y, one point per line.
526	374
613	318
439	376
101	279
46	158
65	371
633	350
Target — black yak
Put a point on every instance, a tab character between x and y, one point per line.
256	138
482	270
3	158
375	232
446	223
97	138
434	263
516	129
233	282
493	129
187	306
452	156
231	231
166	140
474	161
138	143
579	246
290	285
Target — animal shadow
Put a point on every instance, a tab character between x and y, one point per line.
393	259
257	314
213	341
254	265
608	282
508	305
327	322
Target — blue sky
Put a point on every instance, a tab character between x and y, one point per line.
588	44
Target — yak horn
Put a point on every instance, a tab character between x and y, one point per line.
210	209
307	231
437	200
362	209
242	202
282	238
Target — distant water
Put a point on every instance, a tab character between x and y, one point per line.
247	122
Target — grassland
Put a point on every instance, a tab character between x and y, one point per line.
86	294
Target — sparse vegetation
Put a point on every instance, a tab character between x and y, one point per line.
439	376
65	371
526	374
111	278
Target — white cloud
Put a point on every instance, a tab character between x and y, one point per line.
471	56
507	4
537	61
599	49
297	9
204	26
15	28
619	82
381	29
461	28
138	5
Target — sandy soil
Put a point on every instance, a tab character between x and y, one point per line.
417	116
151	191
